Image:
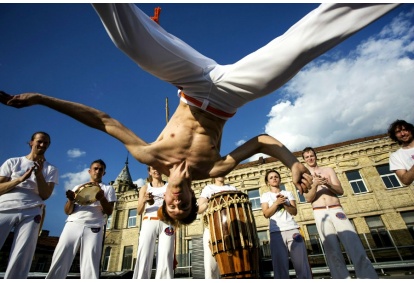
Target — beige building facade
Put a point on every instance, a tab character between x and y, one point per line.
380	207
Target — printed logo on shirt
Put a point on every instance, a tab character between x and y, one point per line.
340	215
297	237
169	231
95	230
37	218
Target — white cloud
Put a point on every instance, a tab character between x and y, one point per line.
140	182
75	153
351	97
75	179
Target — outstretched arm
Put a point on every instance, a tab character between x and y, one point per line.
87	115
406	176
272	147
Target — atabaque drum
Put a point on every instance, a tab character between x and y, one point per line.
233	236
85	194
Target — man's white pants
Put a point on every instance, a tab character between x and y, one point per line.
75	235
150	231
333	225
26	223
228	87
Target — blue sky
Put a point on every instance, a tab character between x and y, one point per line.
355	90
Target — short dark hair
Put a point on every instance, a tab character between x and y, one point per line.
185	221
40	133
99	161
308	148
398	124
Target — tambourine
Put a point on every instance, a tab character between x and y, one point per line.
85	194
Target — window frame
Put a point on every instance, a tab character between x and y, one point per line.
358	182
127	257
255	201
390	176
132	218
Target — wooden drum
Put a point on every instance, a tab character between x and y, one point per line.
233	236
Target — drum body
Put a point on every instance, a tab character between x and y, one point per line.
233	236
85	194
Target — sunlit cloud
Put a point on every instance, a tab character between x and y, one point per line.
140	182
75	153
74	179
358	95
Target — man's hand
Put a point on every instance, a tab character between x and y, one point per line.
27	174
100	195
70	195
302	178
18	101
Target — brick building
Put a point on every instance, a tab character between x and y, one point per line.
380	207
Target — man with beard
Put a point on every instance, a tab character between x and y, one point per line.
402	161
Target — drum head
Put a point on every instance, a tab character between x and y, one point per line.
85	194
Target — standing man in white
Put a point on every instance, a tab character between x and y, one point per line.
151	197
211	270
402	161
25	183
84	228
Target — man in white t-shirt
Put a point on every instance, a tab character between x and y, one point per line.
84	227
402	161
25	183
211	270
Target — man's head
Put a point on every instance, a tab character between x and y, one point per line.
39	143
309	156
401	132
97	170
187	213
178	200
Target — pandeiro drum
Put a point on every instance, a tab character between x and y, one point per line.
85	194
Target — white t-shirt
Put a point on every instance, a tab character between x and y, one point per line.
402	159
158	193
25	194
281	220
212	189
92	215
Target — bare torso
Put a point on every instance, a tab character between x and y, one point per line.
191	135
324	196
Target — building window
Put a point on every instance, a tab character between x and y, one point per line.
389	178
263	237
109	222
314	239
190	252
264	243
132	218
254	198
408	217
40	265
356	182
127	259
107	255
378	231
